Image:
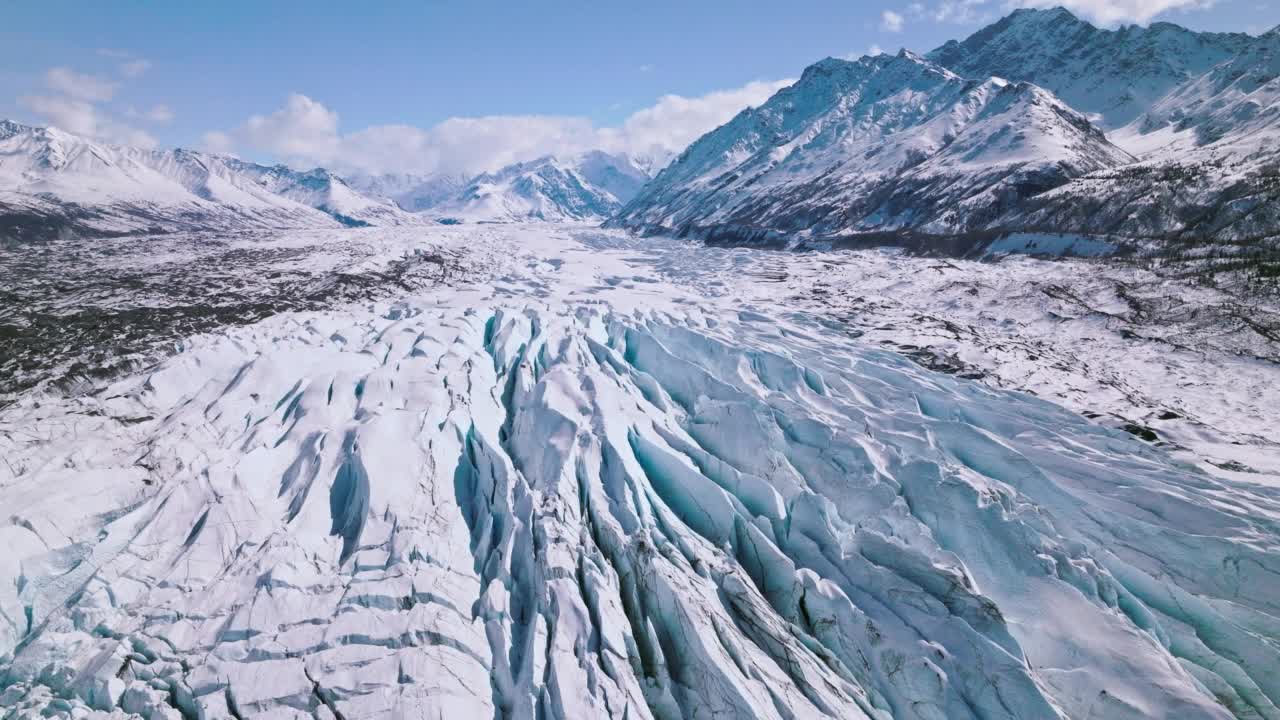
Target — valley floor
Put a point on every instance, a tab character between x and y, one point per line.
542	471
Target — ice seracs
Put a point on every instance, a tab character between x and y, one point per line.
590	487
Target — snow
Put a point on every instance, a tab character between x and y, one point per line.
1112	74
1000	133
118	189
881	144
521	470
604	476
592	186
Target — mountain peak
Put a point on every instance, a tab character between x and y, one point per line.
9	128
588	186
879	144
1058	13
1114	74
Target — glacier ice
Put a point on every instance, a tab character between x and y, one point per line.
596	504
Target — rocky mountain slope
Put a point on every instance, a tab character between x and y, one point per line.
886	148
52	180
1209	149
1111	75
884	144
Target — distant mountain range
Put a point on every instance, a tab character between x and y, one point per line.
55	182
1037	123
883	143
591	187
1040	122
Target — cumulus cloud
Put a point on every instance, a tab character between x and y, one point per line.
305	132
674	121
130	65
891	21
217	142
961	12
84	118
160	113
303	127
79	103
78	86
134	68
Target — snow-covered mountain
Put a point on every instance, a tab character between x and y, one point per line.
412	192
50	179
1111	75
1198	109
998	133
592	186
885	143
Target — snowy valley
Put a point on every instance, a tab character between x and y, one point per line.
628	478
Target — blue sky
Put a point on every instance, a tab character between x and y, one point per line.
194	74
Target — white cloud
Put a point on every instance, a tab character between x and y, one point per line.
134	68
157	114
1110	12
674	122
84	118
79	103
217	142
891	21
75	116
78	86
302	128
963	12
305	132
160	113
875	50
131	66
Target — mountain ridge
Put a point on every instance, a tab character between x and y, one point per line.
884	143
1109	73
72	182
588	187
1178	138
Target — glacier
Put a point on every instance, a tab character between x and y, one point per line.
611	477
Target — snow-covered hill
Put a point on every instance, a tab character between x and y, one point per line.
589	187
51	179
884	143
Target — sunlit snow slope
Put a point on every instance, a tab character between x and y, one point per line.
584	490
